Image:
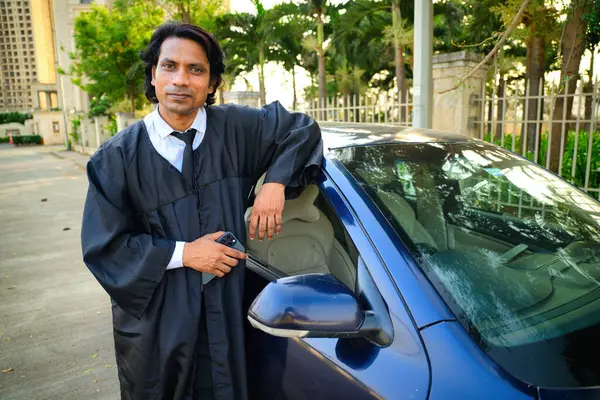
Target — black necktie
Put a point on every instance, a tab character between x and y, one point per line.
187	169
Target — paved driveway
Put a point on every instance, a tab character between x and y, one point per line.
55	321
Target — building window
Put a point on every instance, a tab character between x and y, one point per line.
55	127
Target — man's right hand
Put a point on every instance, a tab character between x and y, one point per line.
206	255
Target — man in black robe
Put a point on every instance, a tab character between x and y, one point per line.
160	193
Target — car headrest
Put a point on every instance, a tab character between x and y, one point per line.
303	207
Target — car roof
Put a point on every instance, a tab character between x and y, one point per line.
348	134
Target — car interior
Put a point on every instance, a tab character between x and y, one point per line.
312	240
503	282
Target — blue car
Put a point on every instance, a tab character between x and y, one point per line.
426	265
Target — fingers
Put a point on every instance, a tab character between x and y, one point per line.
234	253
229	261
271	226
252	225
277	224
262	226
214	236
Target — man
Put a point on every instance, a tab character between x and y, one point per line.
160	193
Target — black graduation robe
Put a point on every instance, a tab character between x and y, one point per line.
138	205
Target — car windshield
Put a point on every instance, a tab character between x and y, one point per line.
513	249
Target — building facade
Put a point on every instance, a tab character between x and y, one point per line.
18	67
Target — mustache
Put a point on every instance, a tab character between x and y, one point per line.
179	92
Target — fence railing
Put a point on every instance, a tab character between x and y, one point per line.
381	108
525	123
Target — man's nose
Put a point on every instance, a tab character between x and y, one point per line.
180	78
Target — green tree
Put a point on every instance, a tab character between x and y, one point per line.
288	34
7	118
592	39
202	13
572	47
539	29
246	39
106	61
378	25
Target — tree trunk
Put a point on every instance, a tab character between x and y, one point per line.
399	62
490	128
588	90
321	56
132	97
572	47
295	101
536	65
261	75
500	111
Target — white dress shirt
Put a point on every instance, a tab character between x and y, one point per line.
171	148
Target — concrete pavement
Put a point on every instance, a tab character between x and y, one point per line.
55	320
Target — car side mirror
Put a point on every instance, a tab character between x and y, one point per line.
312	305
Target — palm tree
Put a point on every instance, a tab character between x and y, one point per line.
248	40
316	10
396	33
289	34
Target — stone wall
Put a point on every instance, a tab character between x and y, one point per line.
13	128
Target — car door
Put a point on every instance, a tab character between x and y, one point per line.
333	368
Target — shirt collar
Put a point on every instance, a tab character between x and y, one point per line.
163	129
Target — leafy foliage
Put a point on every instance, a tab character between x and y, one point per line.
6	118
108	42
27	139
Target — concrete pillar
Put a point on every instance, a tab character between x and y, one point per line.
83	133
457	110
123	119
98	132
423	38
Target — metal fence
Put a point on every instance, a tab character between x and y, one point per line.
523	123
381	108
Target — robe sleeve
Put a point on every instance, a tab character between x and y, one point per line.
288	148
127	263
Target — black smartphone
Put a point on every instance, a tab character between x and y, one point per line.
228	239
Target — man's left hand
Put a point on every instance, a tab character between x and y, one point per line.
267	211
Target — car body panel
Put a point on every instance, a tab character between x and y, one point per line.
461	370
340	368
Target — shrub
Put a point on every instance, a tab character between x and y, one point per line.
32	139
75	124
4	139
6	118
111	127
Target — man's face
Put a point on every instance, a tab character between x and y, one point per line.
182	76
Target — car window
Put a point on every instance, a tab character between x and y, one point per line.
513	249
312	240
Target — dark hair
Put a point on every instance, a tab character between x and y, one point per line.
213	50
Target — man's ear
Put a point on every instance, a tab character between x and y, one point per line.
153	74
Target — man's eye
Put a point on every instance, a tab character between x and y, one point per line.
197	70
168	66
